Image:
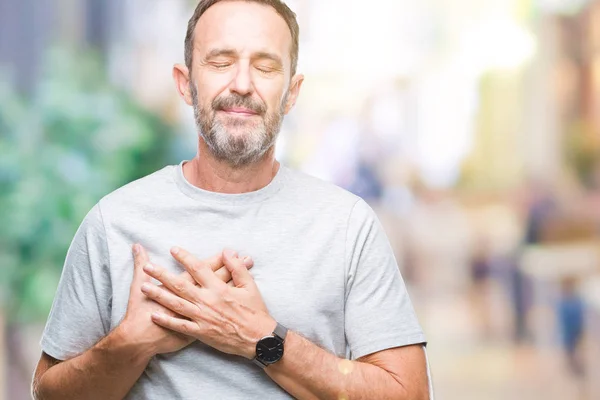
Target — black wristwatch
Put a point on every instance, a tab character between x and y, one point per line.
269	349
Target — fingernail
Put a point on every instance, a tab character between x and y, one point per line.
136	249
148	268
247	261
230	253
175	250
146	287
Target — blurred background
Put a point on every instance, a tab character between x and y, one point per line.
472	127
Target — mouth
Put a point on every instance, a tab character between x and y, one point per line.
239	112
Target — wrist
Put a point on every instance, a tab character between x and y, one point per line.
265	327
270	349
124	341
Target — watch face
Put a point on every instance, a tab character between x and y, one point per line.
269	350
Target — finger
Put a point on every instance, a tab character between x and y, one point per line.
140	258
185	257
187	277
239	273
224	274
170	301
230	283
221	272
180	325
248	262
215	262
175	283
200	271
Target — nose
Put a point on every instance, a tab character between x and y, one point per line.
242	81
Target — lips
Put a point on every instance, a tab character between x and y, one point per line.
240	111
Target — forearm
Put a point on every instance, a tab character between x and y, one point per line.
308	372
106	371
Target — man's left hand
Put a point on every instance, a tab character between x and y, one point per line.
229	319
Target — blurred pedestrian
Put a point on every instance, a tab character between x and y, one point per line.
570	311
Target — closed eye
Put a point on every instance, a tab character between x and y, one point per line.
221	65
266	70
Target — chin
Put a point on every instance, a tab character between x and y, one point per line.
241	129
240	123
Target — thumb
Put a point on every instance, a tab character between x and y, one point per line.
239	272
140	258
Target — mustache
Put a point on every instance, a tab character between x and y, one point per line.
235	100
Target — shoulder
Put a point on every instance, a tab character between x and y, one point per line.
320	193
148	189
331	199
123	200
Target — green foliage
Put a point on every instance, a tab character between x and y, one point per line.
582	146
74	141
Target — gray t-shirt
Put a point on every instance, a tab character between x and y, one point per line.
321	261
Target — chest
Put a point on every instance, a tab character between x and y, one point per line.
298	267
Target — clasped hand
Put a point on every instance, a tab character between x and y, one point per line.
230	319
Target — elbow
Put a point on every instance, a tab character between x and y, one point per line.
411	392
40	383
36	392
40	389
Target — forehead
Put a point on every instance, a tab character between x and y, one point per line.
243	26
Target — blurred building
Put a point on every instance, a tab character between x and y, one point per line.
29	27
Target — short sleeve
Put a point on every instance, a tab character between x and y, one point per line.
378	312
80	314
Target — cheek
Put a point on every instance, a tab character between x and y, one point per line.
272	95
210	86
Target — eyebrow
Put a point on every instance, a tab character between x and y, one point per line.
232	53
220	52
263	55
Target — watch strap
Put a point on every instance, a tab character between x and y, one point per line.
256	361
280	331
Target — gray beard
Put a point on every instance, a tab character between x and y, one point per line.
237	150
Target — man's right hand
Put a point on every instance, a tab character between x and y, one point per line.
137	327
111	367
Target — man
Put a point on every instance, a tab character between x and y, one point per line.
324	313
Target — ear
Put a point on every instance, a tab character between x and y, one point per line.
295	86
181	76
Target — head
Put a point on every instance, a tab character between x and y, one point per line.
240	75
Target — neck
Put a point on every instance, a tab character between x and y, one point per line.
208	173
